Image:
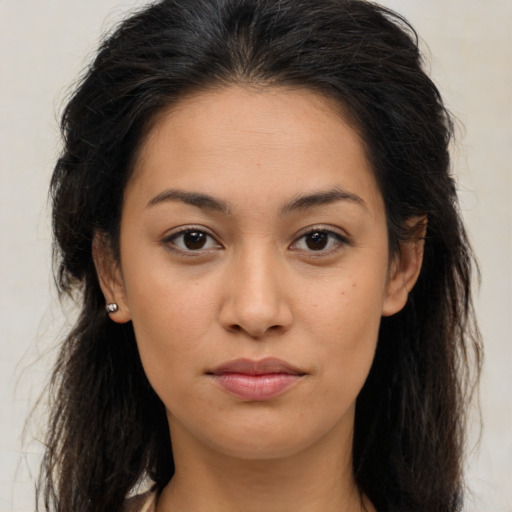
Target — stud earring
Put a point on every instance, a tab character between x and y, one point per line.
111	308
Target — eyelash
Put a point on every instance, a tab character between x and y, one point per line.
332	238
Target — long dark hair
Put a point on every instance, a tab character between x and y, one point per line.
108	429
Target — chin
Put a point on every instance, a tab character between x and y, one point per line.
261	448
270	438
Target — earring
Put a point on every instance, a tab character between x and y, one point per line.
111	308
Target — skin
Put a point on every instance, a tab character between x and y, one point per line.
257	288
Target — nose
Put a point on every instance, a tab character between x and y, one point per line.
256	296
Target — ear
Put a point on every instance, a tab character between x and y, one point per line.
110	277
405	268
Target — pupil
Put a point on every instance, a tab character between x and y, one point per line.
194	240
317	241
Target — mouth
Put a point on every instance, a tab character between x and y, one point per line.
256	381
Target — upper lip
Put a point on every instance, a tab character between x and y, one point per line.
261	367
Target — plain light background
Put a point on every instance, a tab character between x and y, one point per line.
44	44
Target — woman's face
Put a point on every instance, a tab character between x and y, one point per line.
254	266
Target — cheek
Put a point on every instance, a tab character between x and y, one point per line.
171	317
346	308
344	320
165	300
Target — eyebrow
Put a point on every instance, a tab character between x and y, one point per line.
301	202
203	201
306	201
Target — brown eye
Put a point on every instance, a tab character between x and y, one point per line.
317	240
322	241
192	240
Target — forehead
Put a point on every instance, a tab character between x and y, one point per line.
220	141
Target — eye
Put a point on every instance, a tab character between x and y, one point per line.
192	240
320	240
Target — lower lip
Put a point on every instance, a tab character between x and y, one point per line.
256	387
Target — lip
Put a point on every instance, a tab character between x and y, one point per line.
256	380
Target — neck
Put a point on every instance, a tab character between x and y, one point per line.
318	479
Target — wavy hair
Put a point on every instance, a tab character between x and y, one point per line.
108	429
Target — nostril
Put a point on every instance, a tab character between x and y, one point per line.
255	333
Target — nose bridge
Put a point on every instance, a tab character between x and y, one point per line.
256	302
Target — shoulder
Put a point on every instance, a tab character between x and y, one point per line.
145	502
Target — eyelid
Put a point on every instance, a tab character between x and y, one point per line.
327	228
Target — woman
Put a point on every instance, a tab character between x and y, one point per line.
255	210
